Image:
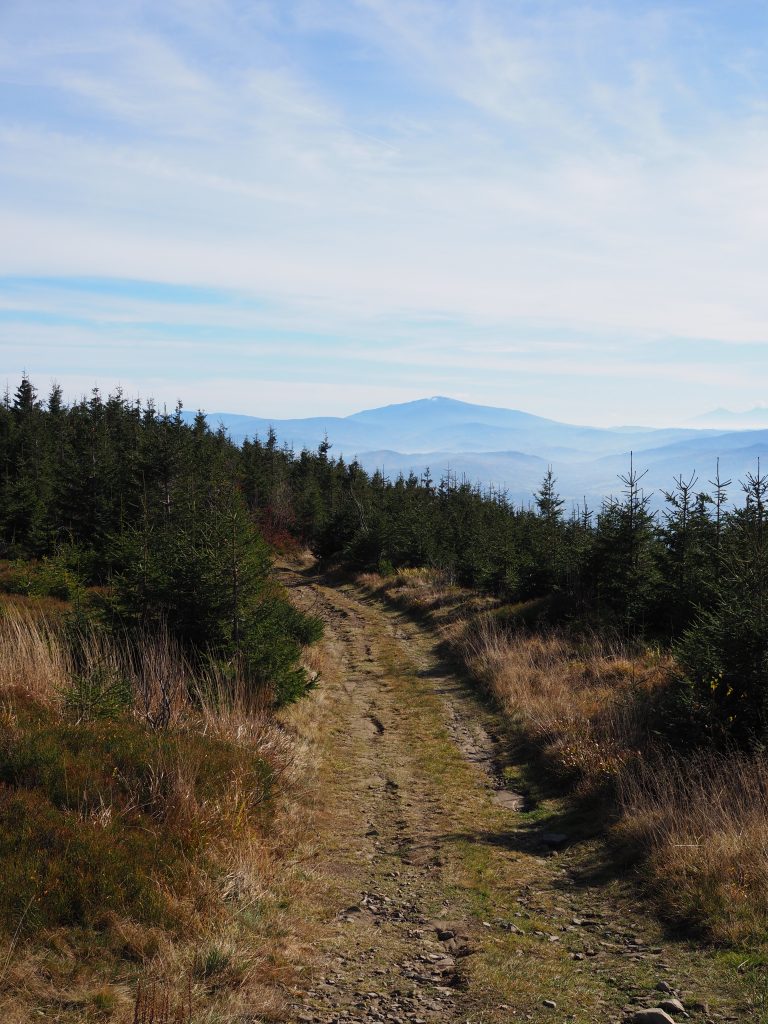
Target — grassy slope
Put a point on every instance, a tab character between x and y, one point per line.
144	870
696	827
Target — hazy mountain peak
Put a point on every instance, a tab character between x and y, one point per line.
441	409
727	418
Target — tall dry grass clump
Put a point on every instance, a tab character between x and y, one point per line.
698	822
587	707
425	591
148	676
227	708
33	660
702	823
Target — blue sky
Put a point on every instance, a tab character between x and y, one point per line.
323	205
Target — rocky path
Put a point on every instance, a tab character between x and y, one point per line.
452	894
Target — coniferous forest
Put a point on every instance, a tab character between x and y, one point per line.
147	520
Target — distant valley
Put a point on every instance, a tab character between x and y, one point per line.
512	449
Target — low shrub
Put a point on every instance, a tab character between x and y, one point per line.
58	869
49	577
94	814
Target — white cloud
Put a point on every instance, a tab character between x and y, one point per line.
563	169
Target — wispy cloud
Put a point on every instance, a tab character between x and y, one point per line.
450	190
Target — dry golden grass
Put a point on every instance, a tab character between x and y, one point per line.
427	591
702	822
586	707
698	823
34	661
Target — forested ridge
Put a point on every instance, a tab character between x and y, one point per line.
174	516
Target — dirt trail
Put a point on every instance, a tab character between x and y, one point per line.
453	897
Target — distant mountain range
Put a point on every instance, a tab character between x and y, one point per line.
512	449
724	419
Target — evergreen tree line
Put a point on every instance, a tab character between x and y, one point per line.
173	516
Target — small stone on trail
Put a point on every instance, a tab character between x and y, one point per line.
664	986
508	799
653	1016
672	1006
